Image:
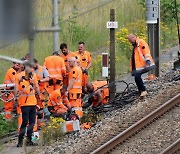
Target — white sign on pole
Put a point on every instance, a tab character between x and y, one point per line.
111	24
152	8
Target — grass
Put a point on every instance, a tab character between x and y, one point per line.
90	28
92	23
6	127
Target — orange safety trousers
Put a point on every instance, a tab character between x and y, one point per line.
76	104
8	106
19	112
40	112
54	86
84	79
65	81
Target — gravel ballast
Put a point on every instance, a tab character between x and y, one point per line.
84	141
154	138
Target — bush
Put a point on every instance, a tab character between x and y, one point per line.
6	126
52	131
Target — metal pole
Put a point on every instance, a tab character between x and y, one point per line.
31	47
112	55
157	48
153	32
31	37
55	25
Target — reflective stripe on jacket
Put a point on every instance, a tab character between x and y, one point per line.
26	90
55	66
76	73
141	56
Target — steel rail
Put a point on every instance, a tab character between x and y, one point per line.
174	147
137	126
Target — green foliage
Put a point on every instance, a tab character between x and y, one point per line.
167	9
52	131
168	13
91	117
95	71
7	127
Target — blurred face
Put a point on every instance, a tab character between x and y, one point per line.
28	70
78	63
27	57
71	63
89	87
132	39
64	51
16	66
35	66
81	48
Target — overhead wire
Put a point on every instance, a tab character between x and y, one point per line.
96	6
99	5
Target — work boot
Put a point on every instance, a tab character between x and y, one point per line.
143	93
20	142
29	141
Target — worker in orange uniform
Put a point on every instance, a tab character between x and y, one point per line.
65	55
9	79
99	91
42	77
141	61
58	103
24	92
56	69
74	89
85	61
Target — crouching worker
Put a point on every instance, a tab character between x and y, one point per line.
100	93
26	84
58	104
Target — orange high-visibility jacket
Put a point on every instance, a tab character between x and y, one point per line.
66	57
55	66
10	76
40	75
57	101
104	90
76	73
26	90
141	55
85	58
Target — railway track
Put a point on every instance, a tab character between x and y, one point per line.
139	125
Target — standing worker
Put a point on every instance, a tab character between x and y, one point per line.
74	89
57	70
24	92
85	62
42	77
141	61
66	54
9	79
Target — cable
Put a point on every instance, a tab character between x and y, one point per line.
87	11
127	96
15	41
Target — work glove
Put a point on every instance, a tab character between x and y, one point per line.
69	110
148	63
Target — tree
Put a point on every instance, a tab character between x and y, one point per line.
167	9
